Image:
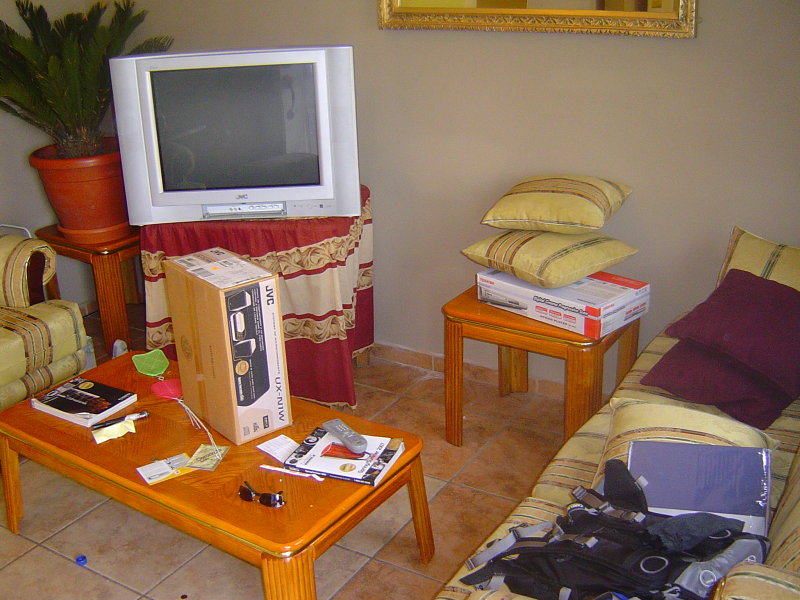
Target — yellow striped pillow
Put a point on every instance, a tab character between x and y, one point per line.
751	581
761	257
548	259
560	203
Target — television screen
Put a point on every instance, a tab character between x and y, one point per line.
268	136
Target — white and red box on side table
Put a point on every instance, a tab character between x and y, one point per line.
593	306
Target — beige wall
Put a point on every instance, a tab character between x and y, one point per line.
706	131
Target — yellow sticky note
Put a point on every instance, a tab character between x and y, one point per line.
113	431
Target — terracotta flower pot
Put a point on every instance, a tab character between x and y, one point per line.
87	194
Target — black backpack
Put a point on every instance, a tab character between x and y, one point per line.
608	545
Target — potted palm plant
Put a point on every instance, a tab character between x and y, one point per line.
57	79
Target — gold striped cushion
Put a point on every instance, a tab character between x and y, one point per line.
42	379
785	528
548	259
761	257
32	338
15	252
749	581
784	534
560	203
576	462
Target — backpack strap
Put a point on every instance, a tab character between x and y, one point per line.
621	489
501	545
591	499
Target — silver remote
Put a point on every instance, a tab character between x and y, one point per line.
353	441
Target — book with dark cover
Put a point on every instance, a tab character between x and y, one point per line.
679	478
83	401
323	454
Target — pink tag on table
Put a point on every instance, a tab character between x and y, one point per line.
168	388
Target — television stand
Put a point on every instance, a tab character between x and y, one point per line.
326	289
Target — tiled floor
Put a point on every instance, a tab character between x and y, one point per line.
130	556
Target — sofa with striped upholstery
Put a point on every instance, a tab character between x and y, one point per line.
42	341
638	411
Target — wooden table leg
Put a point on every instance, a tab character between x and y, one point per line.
129	286
628	350
512	369
9	463
420	512
583	394
453	382
289	578
111	299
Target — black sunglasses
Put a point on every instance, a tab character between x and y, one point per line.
248	494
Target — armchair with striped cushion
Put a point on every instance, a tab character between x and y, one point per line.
41	341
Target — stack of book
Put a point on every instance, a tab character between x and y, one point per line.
593	306
323	454
83	401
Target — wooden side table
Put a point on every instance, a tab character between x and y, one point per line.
113	277
515	336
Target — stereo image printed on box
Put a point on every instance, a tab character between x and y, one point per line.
228	331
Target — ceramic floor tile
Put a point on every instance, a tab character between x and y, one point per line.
211	575
126	545
551	389
371	401
388	376
43	574
12	546
215	575
379	580
461	519
542	413
479	398
369	536
439	458
429	388
334	569
510	464
50	501
484	399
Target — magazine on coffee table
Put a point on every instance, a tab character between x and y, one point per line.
323	454
83	401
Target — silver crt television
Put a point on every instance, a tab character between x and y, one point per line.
243	134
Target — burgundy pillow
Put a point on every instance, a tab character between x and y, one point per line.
697	374
754	321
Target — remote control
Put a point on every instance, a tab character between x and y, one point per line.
352	440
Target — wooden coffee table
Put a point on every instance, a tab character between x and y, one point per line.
284	542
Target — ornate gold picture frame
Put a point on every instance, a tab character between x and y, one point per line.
664	18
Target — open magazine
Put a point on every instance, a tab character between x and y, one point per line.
323	454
